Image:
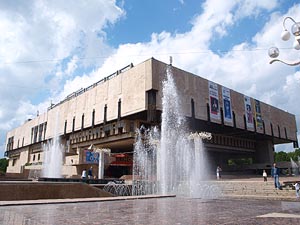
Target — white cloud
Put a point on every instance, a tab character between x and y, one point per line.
244	68
63	30
41	42
72	65
254	7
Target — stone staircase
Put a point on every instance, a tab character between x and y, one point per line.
29	190
255	189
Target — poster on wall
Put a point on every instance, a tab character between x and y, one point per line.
249	112
227	105
214	100
259	122
91	157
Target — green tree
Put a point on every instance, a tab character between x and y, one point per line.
297	153
281	157
3	165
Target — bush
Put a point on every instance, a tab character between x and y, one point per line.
3	165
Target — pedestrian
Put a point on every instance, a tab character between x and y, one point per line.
219	170
275	175
297	188
83	175
265	176
90	173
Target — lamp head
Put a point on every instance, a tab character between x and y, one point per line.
296	43
296	29
285	35
273	52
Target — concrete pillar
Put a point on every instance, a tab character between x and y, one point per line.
101	165
264	152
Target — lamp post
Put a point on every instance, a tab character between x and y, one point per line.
285	36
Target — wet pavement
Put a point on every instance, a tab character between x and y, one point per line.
172	210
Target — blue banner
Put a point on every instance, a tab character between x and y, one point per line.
91	157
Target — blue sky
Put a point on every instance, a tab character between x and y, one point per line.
147	17
50	49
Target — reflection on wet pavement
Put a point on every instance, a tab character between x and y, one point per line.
155	211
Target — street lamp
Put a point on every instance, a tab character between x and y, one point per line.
285	36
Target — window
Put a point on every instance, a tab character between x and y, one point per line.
120	130
193	108
208	112
10	143
35	135
222	115
73	124
285	133
151	105
272	132
105	114
82	121
65	129
234	120
131	126
14	162
32	132
41	132
93	118
45	128
119	109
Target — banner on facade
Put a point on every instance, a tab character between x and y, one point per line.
91	157
249	112
214	100
122	160
259	122
227	105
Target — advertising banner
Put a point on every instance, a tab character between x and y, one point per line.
214	100
259	122
249	112
91	157
227	105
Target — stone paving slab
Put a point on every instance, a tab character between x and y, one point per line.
268	197
78	200
153	211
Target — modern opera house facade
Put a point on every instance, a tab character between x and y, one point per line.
106	115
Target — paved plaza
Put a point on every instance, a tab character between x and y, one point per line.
171	210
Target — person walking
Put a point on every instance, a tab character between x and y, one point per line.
265	176
275	175
218	172
297	188
90	173
83	175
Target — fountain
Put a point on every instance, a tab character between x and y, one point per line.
171	161
295	167
144	161
118	189
53	155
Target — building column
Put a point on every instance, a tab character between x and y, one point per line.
101	165
264	152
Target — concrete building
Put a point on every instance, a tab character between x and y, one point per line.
107	114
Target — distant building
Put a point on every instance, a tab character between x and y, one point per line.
107	114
